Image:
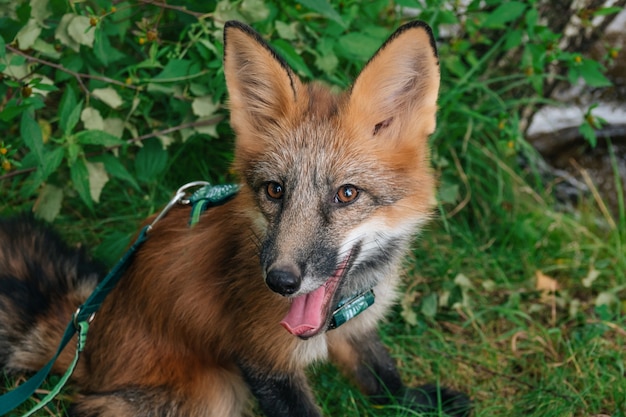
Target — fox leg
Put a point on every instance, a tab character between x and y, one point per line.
367	362
281	395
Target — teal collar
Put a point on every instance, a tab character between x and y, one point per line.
351	307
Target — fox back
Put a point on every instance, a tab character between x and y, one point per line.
334	187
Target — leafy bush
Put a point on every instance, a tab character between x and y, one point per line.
96	92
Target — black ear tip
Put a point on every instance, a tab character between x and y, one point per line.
236	24
413	25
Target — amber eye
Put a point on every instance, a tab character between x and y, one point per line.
274	190
346	194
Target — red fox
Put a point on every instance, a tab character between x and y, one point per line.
211	319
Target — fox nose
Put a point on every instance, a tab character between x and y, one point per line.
283	280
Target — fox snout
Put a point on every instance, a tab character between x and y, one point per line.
284	279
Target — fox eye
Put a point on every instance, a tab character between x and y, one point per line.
347	193
274	190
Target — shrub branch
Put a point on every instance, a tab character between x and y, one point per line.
198	123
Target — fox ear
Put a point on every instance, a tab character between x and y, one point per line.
395	96
261	86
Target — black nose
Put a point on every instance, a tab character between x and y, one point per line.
283	280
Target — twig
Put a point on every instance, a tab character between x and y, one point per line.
199	123
596	195
208	122
181	9
513	175
464	179
79	76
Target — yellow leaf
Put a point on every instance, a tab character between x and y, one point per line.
98	177
545	283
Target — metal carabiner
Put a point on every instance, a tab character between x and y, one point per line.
177	199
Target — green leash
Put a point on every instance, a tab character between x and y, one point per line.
207	196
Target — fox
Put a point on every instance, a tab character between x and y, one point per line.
223	319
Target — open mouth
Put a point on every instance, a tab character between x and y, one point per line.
308	313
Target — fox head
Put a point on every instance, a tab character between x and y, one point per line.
338	184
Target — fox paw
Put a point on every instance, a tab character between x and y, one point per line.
432	400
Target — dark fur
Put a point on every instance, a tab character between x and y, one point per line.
39	278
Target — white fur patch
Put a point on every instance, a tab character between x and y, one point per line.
374	235
312	350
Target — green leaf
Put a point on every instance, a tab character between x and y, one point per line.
97	137
51	162
48	204
607	11
286	50
513	39
116	169
17	60
151	160
45	87
587	132
31	135
357	46
12	110
103	50
73	150
456	66
532	18
324	8
429	305
287	31
448	192
225	11
80	180
2	48
72	62
69	111
254	10
325	58
591	71
504	13
175	69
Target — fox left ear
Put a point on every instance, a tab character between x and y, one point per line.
263	90
395	95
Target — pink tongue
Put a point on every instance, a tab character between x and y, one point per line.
305	313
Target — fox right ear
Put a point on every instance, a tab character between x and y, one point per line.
262	88
395	97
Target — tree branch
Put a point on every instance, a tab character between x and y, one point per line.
199	123
79	76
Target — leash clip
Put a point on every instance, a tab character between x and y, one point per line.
178	199
76	321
